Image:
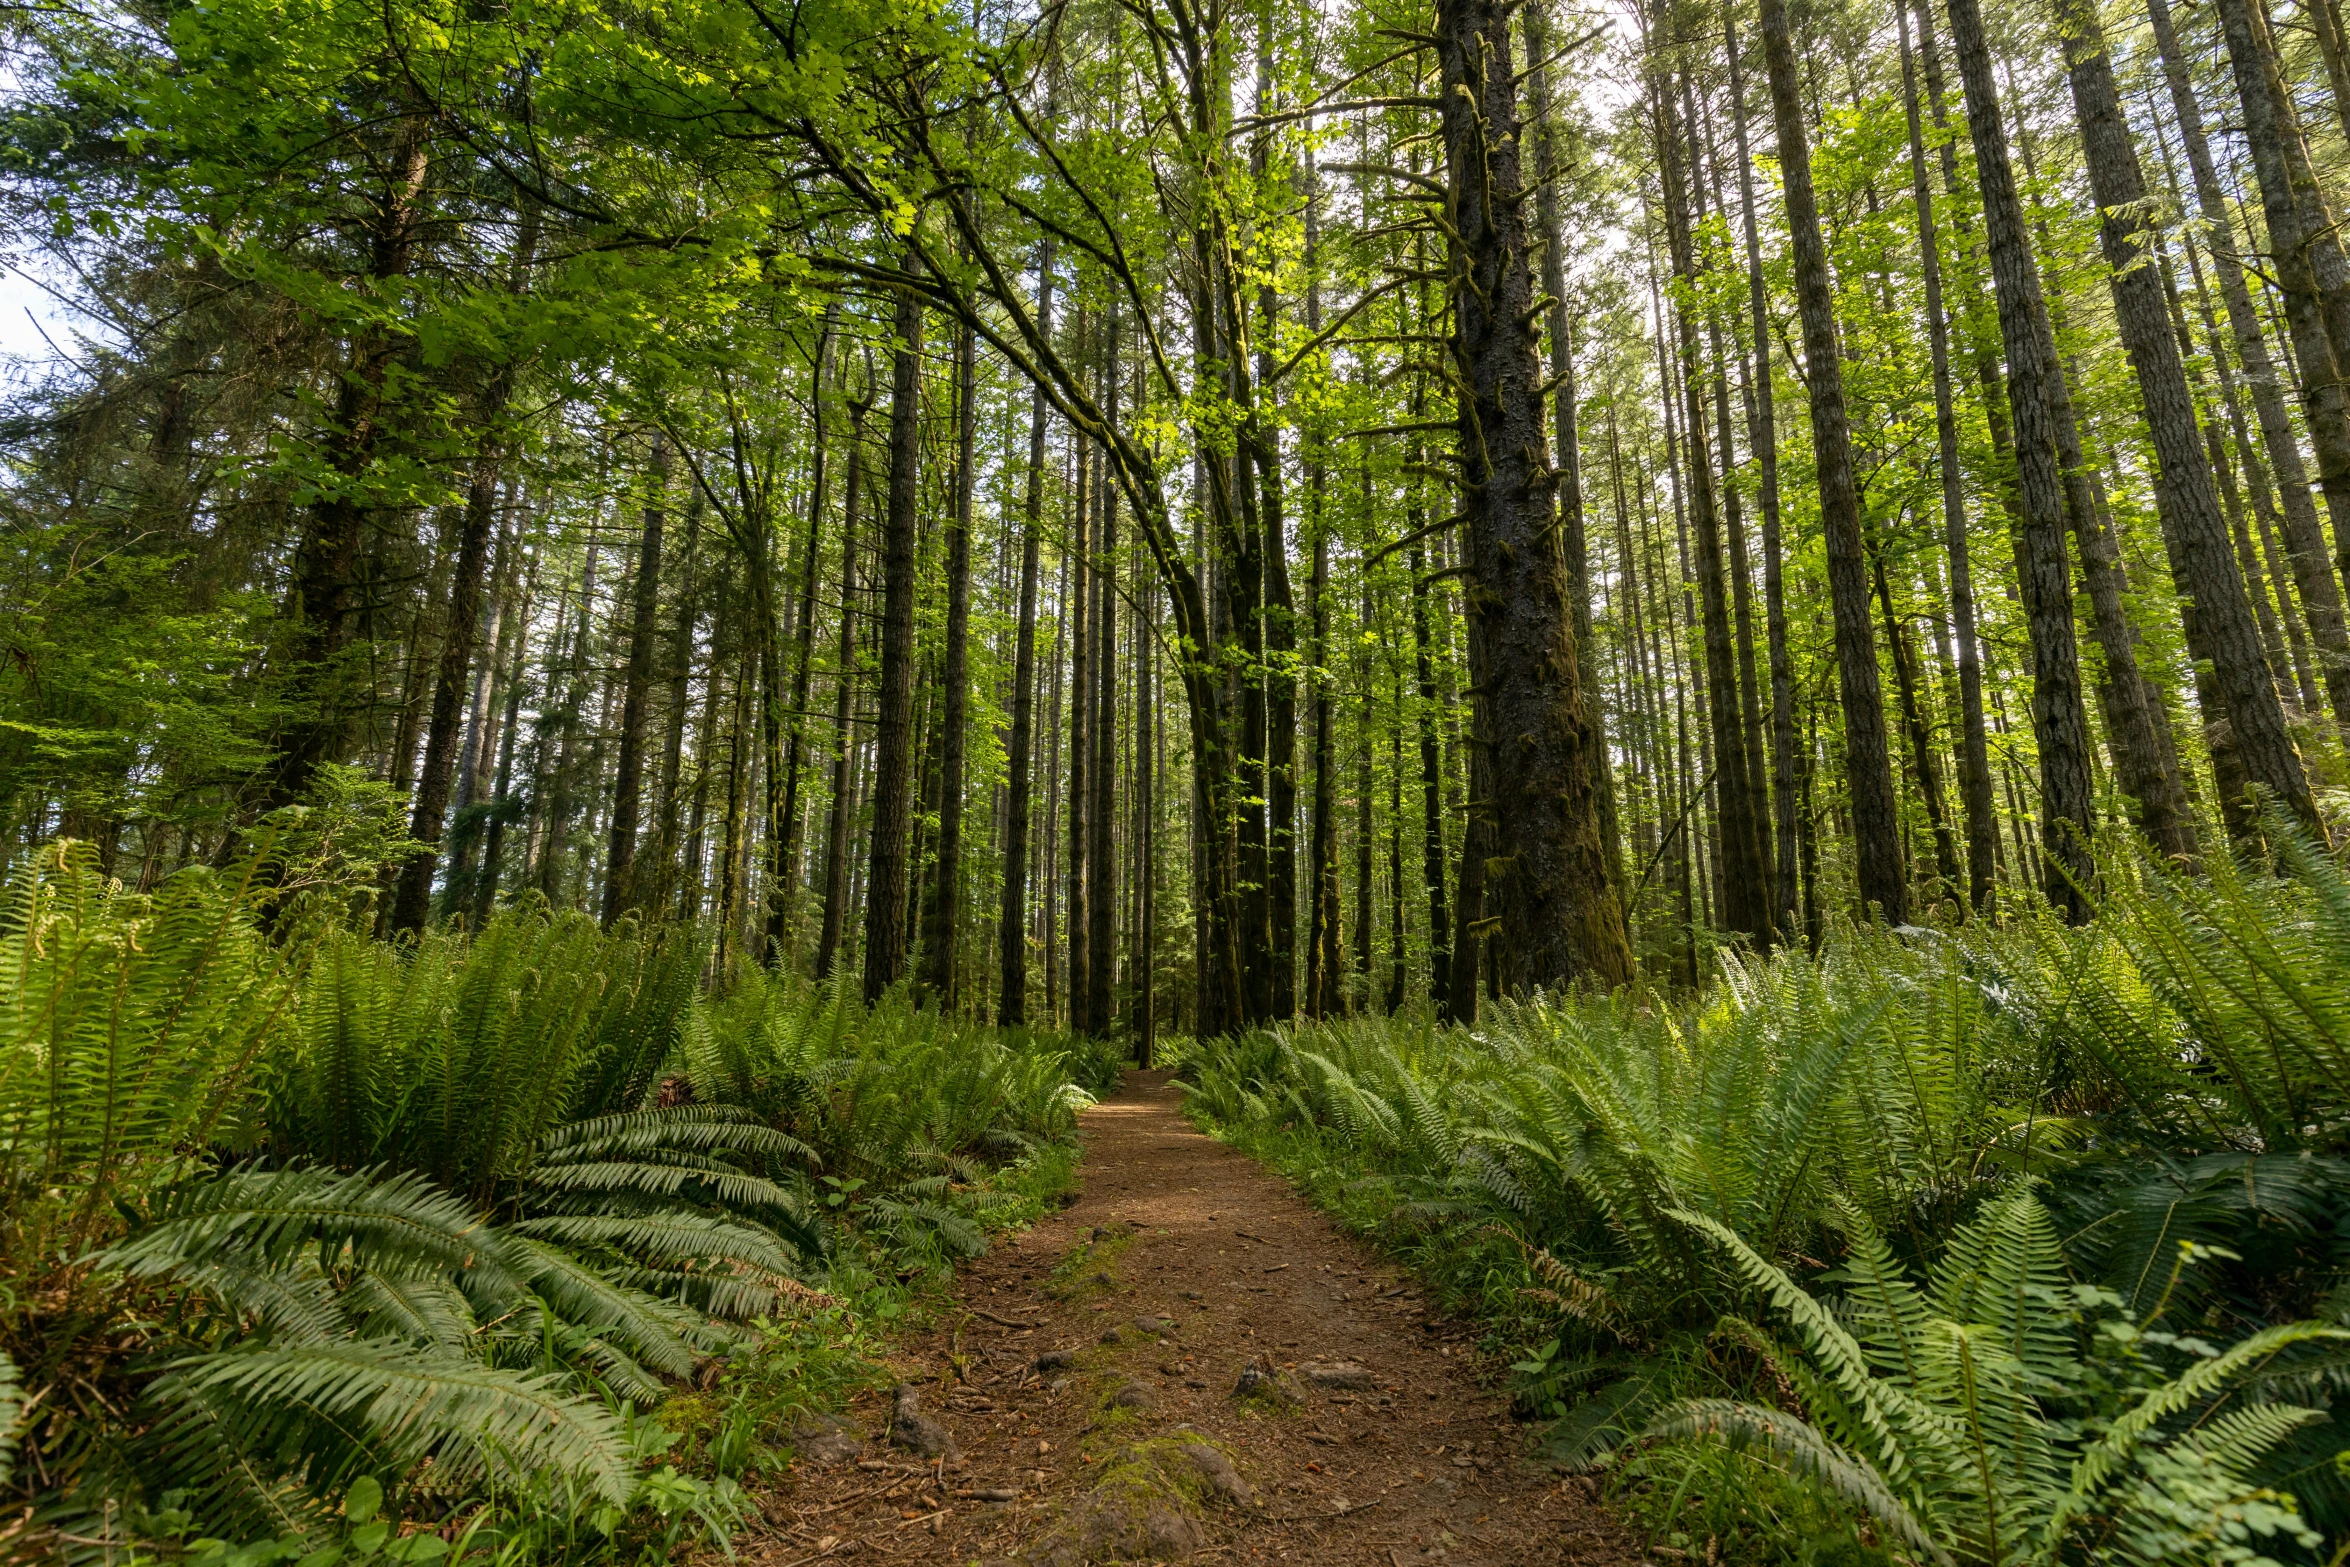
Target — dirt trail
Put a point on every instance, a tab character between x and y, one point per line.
1181	1264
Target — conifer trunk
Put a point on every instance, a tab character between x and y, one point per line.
1868	763
1974	750
620	894
1552	894
942	924
2245	727
888	874
1012	999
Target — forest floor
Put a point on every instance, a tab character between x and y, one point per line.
1081	1400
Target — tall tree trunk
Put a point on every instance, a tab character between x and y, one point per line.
620	891
1012	1001
1974	750
2245	725
1279	673
475	758
1867	759
2305	543
893	766
1101	861
1553	895
322	613
680	678
836	825
1921	736
2297	249
412	897
1573	546
1763	437
482	895
1432	852
946	891
1325	948
2058	714
1745	878
1080	839
1365	805
784	855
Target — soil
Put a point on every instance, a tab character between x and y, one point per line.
1370	1435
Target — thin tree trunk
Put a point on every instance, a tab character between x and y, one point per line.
1867	760
2245	726
412	897
620	893
946	893
1974	750
1763	437
1431	778
836	826
1745	874
2298	249
1080	840
783	897
1101	860
1012	1003
1325	948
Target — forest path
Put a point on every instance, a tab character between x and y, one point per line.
1181	1263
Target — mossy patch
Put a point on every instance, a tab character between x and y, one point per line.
1148	1503
1089	1268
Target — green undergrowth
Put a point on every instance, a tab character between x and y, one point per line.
518	1246
2015	1244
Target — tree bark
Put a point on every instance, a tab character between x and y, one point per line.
1552	894
2305	543
620	893
1867	759
2297	249
1101	899
1763	437
2059	716
943	920
1012	1001
1572	542
1432	853
1974	749
888	872
322	613
1745	873
836	826
2245	727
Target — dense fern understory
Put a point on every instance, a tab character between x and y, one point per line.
2015	1245
513	1245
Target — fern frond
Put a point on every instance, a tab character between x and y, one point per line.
2097	1466
468	1416
1807	1453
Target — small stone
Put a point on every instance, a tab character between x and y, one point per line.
1336	1376
1113	1335
1158	1325
826	1441
1191	1295
915	1431
1134	1395
1261	1379
1056	1360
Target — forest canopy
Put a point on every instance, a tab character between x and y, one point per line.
1155	515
